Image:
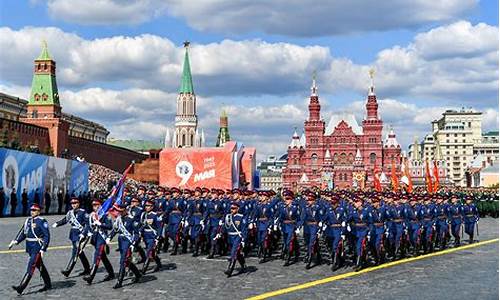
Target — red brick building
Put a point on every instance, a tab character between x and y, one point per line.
43	124
340	153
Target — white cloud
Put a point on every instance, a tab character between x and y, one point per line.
318	18
106	12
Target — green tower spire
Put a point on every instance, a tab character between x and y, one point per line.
187	80
44	86
223	136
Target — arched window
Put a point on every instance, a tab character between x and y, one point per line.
343	158
192	140
314	158
351	157
183	139
373	158
183	107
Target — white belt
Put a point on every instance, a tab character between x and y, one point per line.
149	230
33	239
233	233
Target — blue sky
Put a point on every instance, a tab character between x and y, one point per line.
119	61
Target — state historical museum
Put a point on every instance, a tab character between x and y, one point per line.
341	154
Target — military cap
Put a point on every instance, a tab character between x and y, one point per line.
35	206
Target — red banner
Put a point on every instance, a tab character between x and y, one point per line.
197	167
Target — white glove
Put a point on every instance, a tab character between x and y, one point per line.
54	225
275	227
41	253
250	226
342	237
320	224
349	228
81	236
186	223
132	249
324	227
220	223
201	222
297	231
343	224
242	244
12	243
89	234
98	223
108	240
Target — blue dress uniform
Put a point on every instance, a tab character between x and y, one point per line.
150	229
289	216
214	214
135	212
128	234
414	215
77	218
398	227
98	232
312	217
471	216
36	233
237	229
440	215
176	208
455	212
194	214
377	229
428	225
264	214
359	217
335	220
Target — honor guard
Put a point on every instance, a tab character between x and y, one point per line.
150	229
77	218
36	233
236	227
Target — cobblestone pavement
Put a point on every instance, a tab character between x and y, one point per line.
465	274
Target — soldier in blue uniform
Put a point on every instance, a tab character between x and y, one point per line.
397	229
135	211
236	226
150	229
77	218
414	214
36	233
128	233
471	216
312	218
377	230
455	213
97	229
176	208
428	225
359	217
264	214
194	216
335	218
289	216
213	216
441	221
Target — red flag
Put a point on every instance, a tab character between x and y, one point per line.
407	174
436	176
376	180
394	177
428	178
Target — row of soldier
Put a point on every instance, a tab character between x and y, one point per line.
354	226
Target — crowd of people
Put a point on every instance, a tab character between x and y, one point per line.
340	228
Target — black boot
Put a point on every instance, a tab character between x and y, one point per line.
196	249
85	264
142	254
212	252
158	264
121	275
308	261
359	264
230	268
241	261
109	268
69	267
334	262
47	284
145	266
287	261
137	273
24	283
166	245
89	278
176	247
318	257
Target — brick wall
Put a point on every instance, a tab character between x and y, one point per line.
28	134
147	171
115	158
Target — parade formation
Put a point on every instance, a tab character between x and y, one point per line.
344	228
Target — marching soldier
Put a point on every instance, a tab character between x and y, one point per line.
36	233
471	216
97	230
236	227
289	216
128	233
455	213
135	211
358	217
312	219
77	218
150	228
